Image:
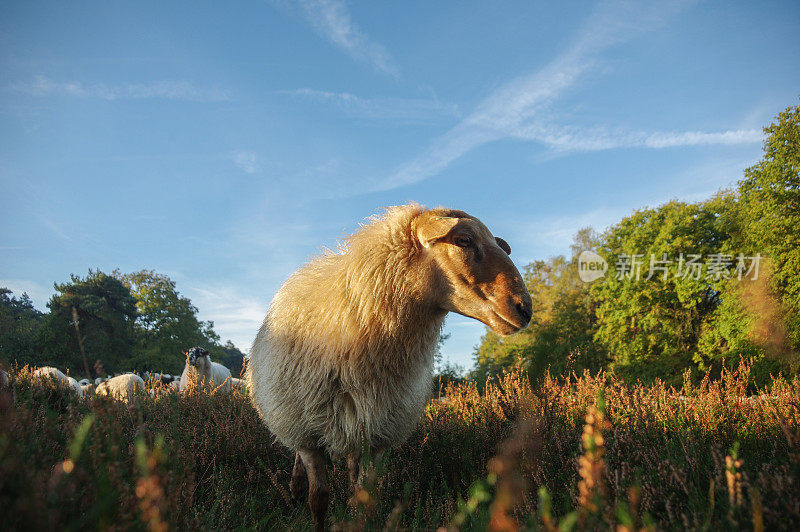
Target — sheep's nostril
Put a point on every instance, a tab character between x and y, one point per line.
525	313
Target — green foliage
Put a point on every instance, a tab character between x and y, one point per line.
760	319
166	323
19	327
135	321
232	358
649	323
770	197
106	312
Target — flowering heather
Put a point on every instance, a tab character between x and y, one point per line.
584	452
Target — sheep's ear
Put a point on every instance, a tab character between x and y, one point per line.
503	245
435	228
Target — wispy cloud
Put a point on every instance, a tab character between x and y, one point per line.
167	89
520	109
331	19
395	109
54	227
567	138
247	161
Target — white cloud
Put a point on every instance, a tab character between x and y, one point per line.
247	161
396	109
696	138
167	89
563	139
331	19
517	109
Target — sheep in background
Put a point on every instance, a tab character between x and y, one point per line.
46	371
84	382
200	368
121	387
50	372
3	379
75	386
346	349
236	383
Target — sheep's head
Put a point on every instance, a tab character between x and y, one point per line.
198	357
472	271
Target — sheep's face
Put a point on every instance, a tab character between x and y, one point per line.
198	357
472	271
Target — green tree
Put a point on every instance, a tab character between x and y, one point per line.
760	319
105	311
770	198
232	358
652	306
166	323
19	326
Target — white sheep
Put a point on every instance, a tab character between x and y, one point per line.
47	371
75	386
53	373
121	387
346	349
200	369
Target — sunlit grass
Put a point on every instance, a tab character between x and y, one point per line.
587	452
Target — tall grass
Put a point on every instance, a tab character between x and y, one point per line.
585	452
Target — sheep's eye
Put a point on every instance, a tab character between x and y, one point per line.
462	241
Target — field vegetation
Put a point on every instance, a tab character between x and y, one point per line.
579	452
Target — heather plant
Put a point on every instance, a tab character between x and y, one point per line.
578	452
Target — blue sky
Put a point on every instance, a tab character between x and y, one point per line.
224	144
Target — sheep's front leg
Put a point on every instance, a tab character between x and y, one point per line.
298	486
357	473
318	493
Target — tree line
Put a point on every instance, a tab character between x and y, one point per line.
686	286
106	323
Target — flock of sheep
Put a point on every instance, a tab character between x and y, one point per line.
344	357
199	370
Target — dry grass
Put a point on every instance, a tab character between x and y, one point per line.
589	452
